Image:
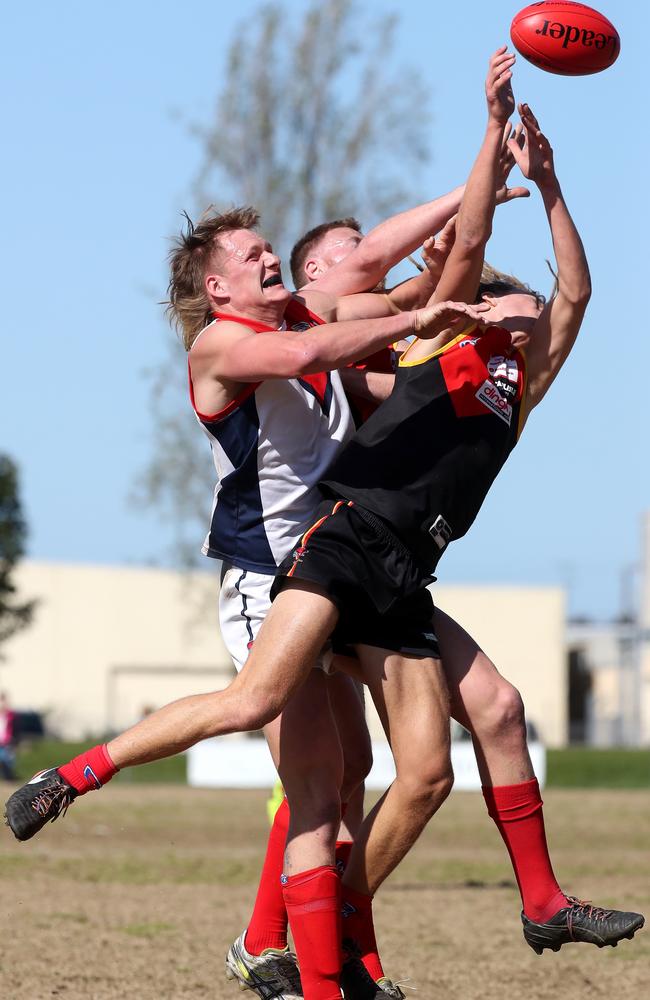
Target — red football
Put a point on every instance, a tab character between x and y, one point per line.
567	38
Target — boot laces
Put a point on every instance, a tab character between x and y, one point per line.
394	988
288	972
584	907
56	799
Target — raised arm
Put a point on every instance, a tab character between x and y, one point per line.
386	245
462	270
416	292
556	330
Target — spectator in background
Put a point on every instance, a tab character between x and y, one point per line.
7	756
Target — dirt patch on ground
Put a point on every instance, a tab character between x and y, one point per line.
138	892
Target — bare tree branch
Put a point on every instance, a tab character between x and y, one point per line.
313	122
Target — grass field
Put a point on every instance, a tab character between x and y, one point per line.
139	890
574	767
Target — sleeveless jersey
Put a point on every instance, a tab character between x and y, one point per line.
425	460
382	361
271	445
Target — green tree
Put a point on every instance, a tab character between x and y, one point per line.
14	615
313	121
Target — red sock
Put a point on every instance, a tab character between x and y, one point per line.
517	812
313	901
268	924
90	770
358	925
343	851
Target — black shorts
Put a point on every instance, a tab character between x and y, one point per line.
372	578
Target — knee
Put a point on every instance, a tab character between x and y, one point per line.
426	787
254	709
314	799
504	714
356	768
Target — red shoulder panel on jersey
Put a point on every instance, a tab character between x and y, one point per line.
209	418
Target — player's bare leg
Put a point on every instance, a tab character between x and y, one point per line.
412	701
493	712
296	627
347	701
325	715
306	750
486	704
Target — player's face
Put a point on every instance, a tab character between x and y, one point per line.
338	244
335	246
249	276
517	312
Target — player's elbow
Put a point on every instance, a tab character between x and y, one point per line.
371	262
472	240
584	293
300	357
578	293
305	357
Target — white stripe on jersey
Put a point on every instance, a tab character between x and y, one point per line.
269	453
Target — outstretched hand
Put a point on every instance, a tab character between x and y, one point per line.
531	149
436	249
506	163
432	320
498	88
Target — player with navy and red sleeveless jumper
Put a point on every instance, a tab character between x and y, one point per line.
253	383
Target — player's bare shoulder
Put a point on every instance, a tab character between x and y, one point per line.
217	338
212	389
322	304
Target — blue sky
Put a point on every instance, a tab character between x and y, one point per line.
95	172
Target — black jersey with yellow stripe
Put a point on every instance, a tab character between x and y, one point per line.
425	460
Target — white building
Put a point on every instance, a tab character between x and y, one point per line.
609	669
109	643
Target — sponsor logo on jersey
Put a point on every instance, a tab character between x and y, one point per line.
490	396
300	327
506	389
440	531
503	368
284	879
505	375
468	342
347	909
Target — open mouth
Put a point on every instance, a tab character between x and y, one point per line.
274	279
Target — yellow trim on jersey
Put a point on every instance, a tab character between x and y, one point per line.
523	409
441	350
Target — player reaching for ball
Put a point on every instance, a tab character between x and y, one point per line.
393	542
294	417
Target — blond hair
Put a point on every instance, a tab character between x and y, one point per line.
188	306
